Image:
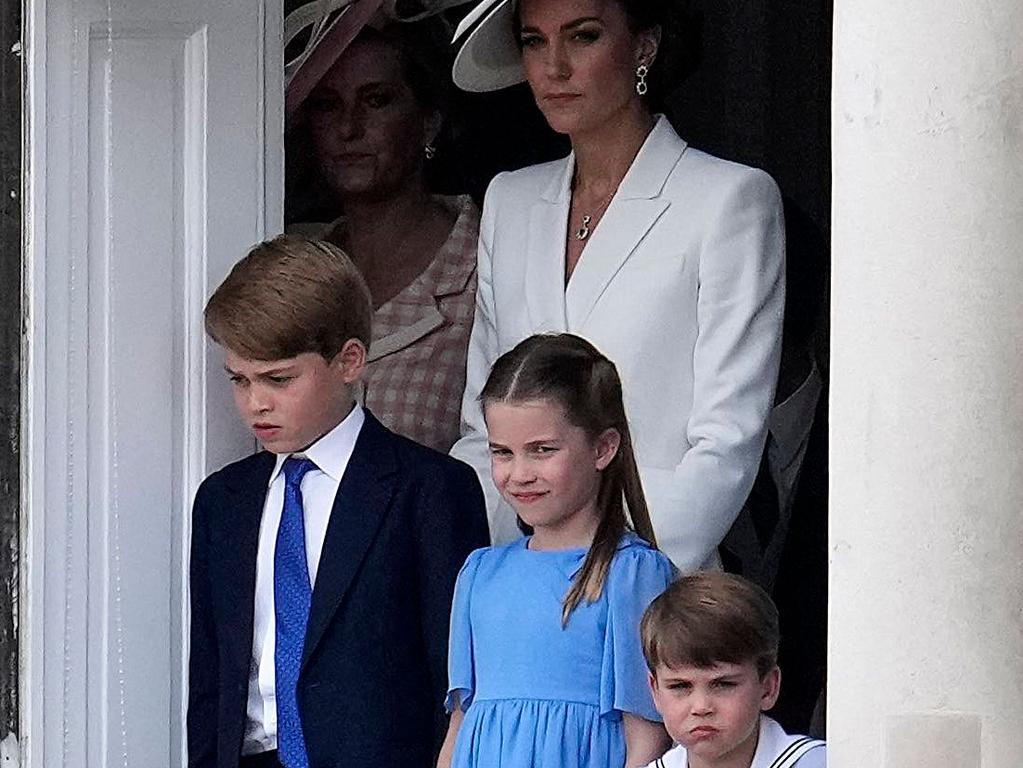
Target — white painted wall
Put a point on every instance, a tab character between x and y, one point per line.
926	594
155	157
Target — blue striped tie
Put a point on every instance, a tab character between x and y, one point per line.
292	597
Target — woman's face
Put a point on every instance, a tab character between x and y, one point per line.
580	59
367	127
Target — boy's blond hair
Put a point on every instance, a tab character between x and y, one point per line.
288	296
708	618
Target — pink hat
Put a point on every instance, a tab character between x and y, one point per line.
332	25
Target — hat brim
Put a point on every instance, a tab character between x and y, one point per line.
489	57
354	16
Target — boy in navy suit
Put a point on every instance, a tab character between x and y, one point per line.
322	568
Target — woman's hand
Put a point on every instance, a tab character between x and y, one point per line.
645	741
447	749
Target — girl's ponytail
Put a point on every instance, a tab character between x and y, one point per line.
569	371
632	487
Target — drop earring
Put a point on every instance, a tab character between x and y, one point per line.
641	72
430	151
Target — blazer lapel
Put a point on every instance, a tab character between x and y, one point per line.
545	253
359	508
430	320
237	541
449	274
635	209
610	245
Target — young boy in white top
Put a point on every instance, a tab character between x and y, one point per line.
711	643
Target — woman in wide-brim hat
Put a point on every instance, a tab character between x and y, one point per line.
669	260
370	101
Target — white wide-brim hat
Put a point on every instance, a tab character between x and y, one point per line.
489	57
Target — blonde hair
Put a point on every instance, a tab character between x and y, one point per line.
288	296
570	372
711	617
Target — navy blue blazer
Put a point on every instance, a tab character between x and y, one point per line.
374	668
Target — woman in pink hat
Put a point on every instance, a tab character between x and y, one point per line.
373	119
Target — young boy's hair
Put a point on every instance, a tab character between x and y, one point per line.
708	618
288	296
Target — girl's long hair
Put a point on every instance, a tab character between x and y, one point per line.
568	371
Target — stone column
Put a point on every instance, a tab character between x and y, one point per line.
926	539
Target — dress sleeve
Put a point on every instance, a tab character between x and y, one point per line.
461	662
638	574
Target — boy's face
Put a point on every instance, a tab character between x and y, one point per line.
289	404
714	712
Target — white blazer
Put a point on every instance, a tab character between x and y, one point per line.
681	285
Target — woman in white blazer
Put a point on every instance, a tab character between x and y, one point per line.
669	260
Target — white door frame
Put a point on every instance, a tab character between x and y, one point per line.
71	582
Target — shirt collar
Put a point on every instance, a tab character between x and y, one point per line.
770	743
331	452
455	262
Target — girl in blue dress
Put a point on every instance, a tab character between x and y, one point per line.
545	664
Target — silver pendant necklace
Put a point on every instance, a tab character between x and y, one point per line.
584	230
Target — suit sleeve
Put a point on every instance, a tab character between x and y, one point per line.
740	309
473	447
203	655
452	523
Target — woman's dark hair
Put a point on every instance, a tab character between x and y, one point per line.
568	371
646	14
422	49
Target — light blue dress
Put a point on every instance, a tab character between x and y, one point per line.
536	694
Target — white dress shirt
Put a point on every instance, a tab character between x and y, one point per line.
330	454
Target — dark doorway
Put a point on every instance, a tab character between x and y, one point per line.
761	94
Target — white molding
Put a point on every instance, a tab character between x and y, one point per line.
33	521
194	348
272	108
77	300
159	30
